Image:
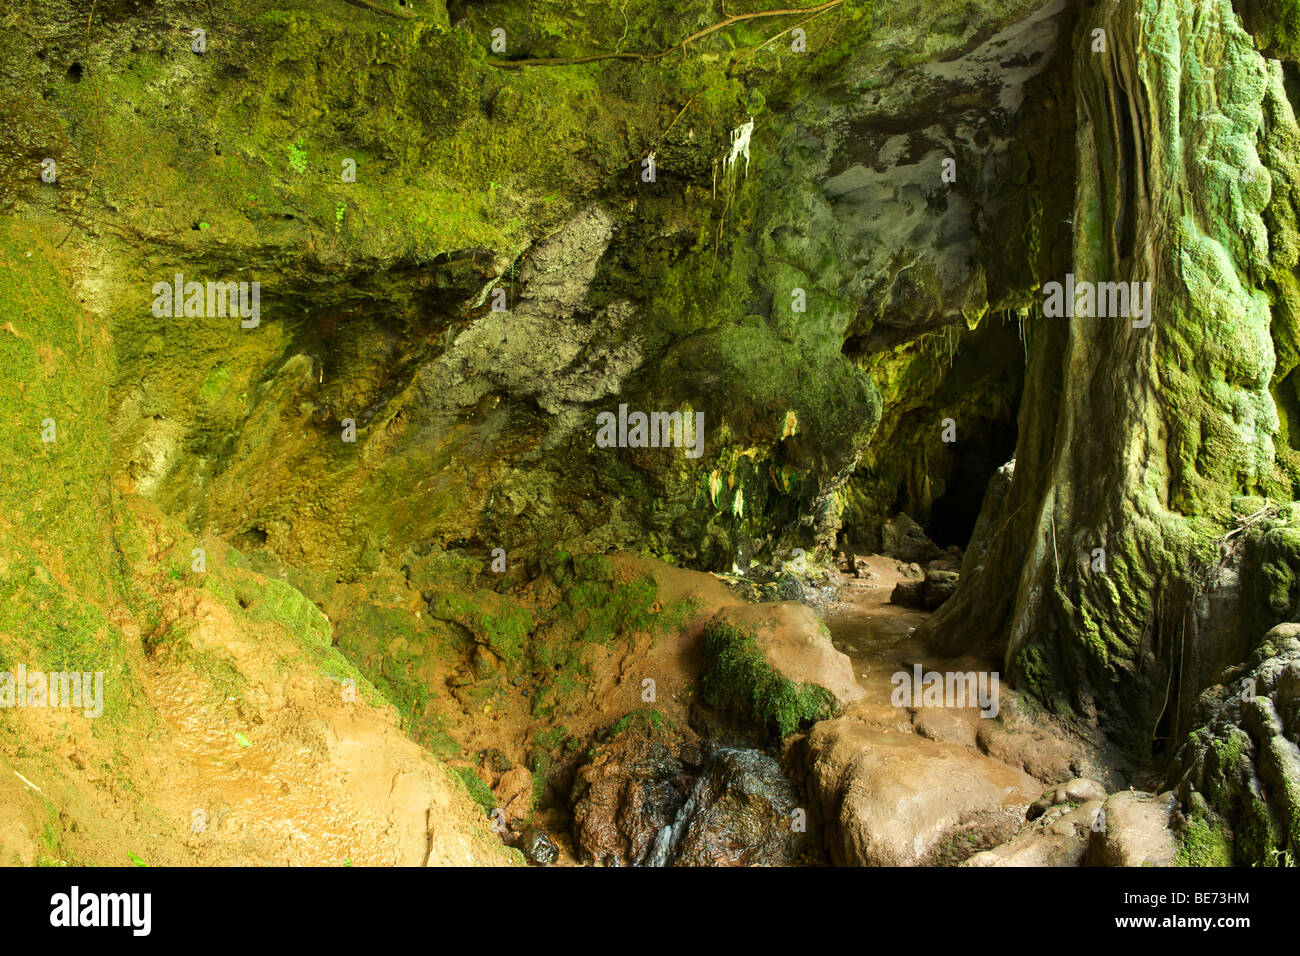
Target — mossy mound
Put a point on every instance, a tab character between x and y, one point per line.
738	677
1204	842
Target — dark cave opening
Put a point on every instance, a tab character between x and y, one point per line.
988	363
974	462
933	456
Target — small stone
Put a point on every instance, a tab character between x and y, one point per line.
537	847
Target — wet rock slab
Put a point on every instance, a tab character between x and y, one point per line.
631	789
895	799
739	814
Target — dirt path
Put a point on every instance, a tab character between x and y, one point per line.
876	635
901	784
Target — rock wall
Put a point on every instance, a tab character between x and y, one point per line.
522	171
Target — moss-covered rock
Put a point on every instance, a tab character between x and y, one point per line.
1275	25
737	676
1238	772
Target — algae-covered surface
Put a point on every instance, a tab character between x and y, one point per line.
401	388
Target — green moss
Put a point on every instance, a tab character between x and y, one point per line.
565	692
478	791
539	765
1275	25
599	608
1031	665
498	621
1204	842
276	601
56	547
549	740
737	676
1258	840
646	721
443	745
53	366
52	851
1231	753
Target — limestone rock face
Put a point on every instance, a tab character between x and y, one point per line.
859	312
1137	831
1239	773
497	273
890	799
538	350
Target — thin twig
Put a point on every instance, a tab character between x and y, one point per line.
826	42
794	26
29	783
679	115
1244	522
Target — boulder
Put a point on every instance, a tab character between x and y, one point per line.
895	799
795	645
1136	830
908	594
536	846
903	538
1058	837
939	584
1078	790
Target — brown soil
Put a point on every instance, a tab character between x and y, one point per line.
234	750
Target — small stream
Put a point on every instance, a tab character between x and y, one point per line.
737	813
876	635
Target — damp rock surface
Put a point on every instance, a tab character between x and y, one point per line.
658	798
896	799
368	552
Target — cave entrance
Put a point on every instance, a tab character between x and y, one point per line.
986	382
976	380
975	459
